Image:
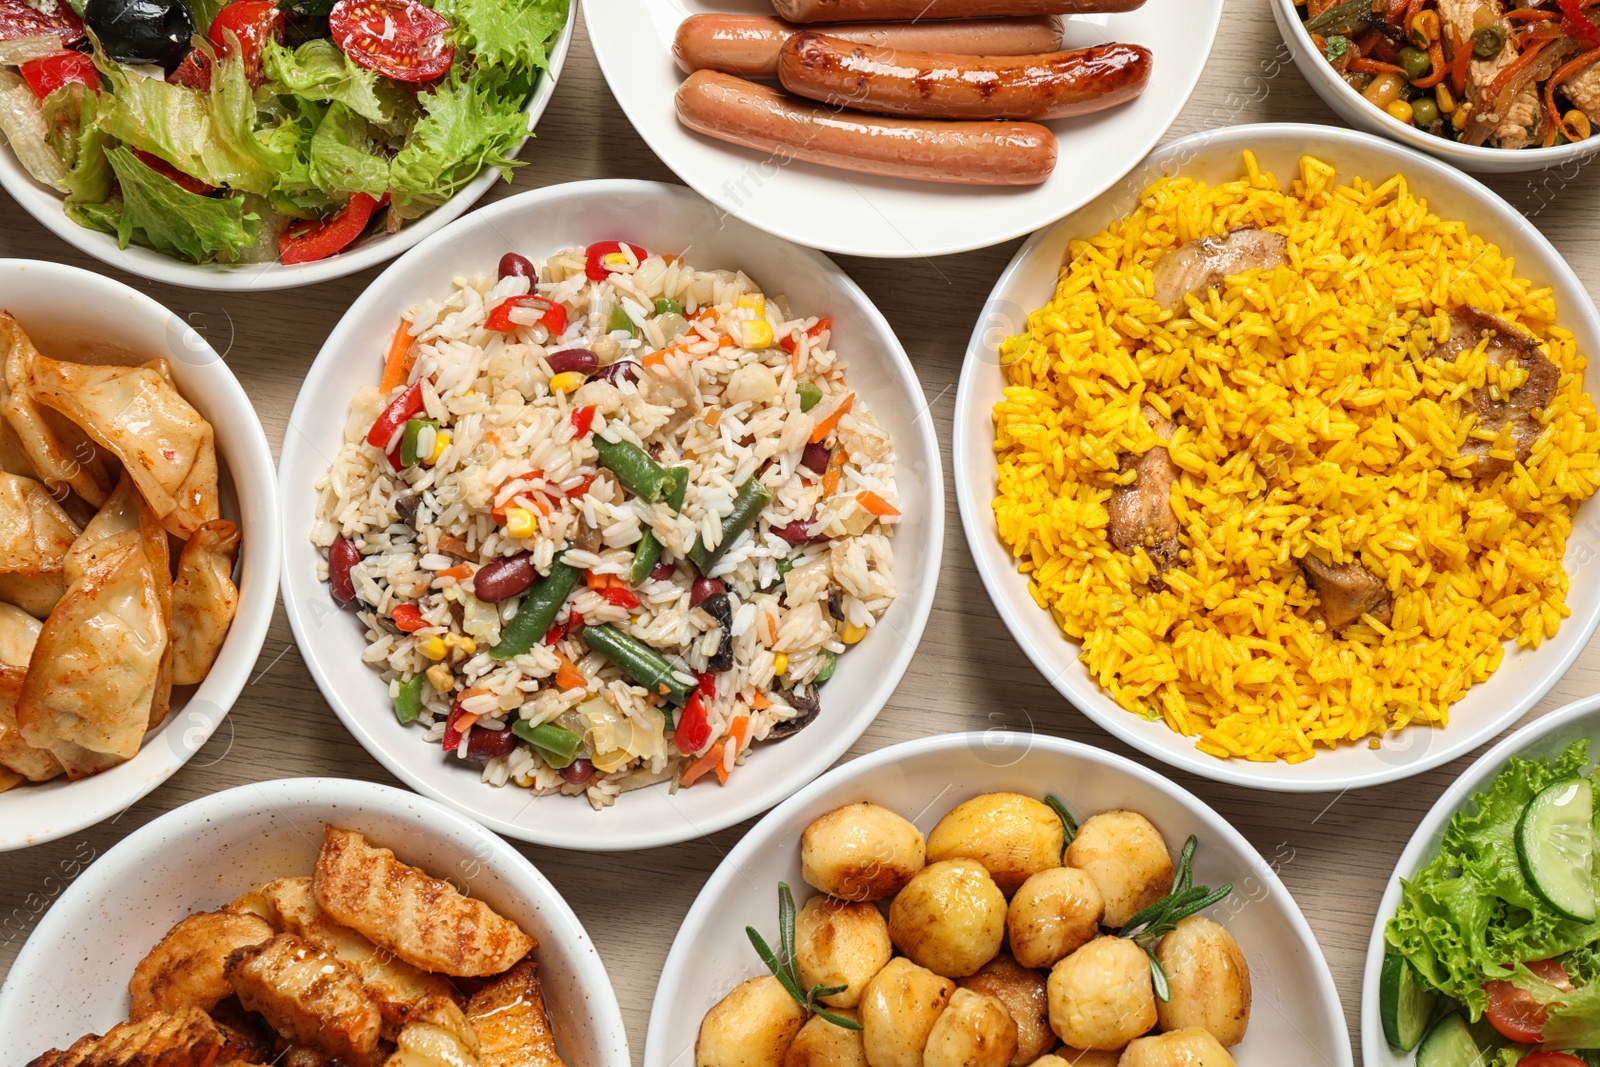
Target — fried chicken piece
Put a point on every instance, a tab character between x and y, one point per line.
1347	591
1204	263
421	919
509	1017
1507	347
437	1034
184	1038
308	996
185	966
1141	514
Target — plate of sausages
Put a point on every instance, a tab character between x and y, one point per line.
899	128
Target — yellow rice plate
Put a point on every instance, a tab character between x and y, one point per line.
1307	417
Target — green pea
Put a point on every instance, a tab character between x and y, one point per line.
1424	112
1415	62
619	320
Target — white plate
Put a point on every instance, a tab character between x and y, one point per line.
66	303
860	215
44	204
71	976
1295	1017
1524	676
661	218
1546	738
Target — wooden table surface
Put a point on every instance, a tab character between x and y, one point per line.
1336	850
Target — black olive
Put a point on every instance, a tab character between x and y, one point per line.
805	703
141	31
718	607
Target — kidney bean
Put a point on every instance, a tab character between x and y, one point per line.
502	578
815	457
625	370
662	571
797	533
342	555
515	266
703	588
577	772
485	745
569	359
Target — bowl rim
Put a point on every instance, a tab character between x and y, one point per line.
675	971
262	277
1374	1047
824	749
263	556
1002	584
1474	156
212	812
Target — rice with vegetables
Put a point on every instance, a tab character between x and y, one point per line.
1293	463
611	529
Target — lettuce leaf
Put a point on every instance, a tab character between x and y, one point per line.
468	124
512	35
318	70
70	114
160	214
340	161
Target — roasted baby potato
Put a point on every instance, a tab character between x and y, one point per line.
1101	996
860	852
1055	913
974	1030
898	1010
1127	858
184	1038
309	997
1022	991
1191	1047
436	1034
1013	836
950	918
509	1017
840	942
1067	1056
751	1027
1209	980
185	966
822	1044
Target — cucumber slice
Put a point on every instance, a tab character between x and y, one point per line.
1403	1004
1555	844
1449	1044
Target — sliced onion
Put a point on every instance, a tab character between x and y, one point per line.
23	126
27	49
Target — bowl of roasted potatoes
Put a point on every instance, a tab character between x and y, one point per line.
995	900
311	922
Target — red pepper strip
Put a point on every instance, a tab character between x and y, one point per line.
594	258
1460	60
1440	67
48	73
408	618
620	597
395	416
694	726
583	422
1363	65
1522	64
178	177
306	241
557	631
819	326
452	737
582	488
707	686
554	317
1576	22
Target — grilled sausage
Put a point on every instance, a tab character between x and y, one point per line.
971	153
945	85
907	10
747	45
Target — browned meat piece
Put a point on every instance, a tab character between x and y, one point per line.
1347	591
1141	512
308	996
185	967
509	1017
421	919
1507	346
185	1038
1203	263
246	1037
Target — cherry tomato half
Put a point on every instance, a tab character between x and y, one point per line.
308	241
400	39
48	73
251	22
1551	1059
19	19
1514	1011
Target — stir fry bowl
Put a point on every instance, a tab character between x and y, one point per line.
1545	738
44	204
1296	1017
1524	676
660	218
60	307
71	976
1354	109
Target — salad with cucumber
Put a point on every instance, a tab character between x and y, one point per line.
223	131
1493	956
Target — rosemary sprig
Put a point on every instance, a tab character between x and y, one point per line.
1068	823
783	966
1150	924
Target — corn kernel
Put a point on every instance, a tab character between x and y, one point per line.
1459	119
466	644
440	678
615	260
1400	109
853	633
520	523
433	647
441	441
755	333
780	663
1445	99
568	381
1576	122
754	302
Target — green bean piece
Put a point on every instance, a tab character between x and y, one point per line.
539	608
408	699
668	307
748	504
645	558
619	320
1340	17
678	487
810	395
410	438
634	468
558	746
641	663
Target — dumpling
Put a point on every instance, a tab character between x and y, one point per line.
36	594
35	533
19	632
163	442
59	452
13	457
95	670
204	600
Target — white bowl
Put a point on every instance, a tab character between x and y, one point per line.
659	217
1547	737
1296	1017
61	304
71	976
1029	281
1352	108
862	215
44	204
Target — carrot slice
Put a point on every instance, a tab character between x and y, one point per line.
830	477
697	770
459	571
398	362
876	504
738	733
568	676
825	427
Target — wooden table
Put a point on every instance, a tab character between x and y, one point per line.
1335	851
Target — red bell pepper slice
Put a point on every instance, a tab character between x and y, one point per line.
694	728
306	241
582	488
395	416
617	595
184	181
707	686
48	73
1575	22
583	422
408	617
452	737
594	258
554	317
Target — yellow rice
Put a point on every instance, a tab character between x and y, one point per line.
1308	418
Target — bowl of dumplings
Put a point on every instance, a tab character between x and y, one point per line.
138	547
